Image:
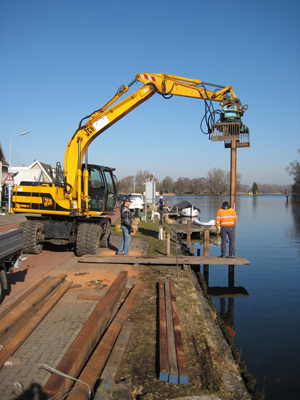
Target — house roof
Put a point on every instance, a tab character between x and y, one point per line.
36	172
25	174
46	168
2	156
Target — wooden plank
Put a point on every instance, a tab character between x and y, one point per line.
163	341
172	357
10	319
21	298
19	338
181	360
24	320
89	297
114	361
192	260
95	364
80	350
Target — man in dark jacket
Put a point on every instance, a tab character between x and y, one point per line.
125	226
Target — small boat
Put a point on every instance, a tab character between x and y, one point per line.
208	224
186	209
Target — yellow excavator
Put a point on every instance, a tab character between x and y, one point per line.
75	206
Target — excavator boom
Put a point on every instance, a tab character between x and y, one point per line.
102	119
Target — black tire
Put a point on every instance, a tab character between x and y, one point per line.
93	239
81	239
106	235
25	226
34	228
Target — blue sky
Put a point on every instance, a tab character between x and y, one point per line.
61	60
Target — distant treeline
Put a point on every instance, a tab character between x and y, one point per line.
217	182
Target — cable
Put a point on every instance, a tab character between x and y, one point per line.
50	369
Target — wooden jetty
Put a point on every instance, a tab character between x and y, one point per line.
164	260
184	229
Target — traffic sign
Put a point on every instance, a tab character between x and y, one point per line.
9	178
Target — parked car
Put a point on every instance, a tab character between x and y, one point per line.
137	201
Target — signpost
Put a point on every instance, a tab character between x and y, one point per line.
9	181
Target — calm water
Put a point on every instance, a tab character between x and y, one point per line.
267	323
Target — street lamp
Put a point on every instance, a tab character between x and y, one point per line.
9	184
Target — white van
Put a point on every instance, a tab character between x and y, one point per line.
137	201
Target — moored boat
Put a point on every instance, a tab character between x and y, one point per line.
186	209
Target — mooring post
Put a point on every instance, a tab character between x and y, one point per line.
233	175
206	254
231	276
188	234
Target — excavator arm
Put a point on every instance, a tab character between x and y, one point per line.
110	113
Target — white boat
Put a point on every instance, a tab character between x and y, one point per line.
186	209
208	224
189	212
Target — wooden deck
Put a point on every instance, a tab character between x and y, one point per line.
165	260
182	228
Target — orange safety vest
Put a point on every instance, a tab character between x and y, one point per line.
226	217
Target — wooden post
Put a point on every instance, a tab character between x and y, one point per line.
231	276
188	234
206	254
233	175
193	248
168	244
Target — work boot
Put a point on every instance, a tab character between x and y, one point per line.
222	256
232	256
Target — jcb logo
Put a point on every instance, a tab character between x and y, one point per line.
47	202
88	131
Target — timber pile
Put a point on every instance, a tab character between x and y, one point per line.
163	260
88	354
173	367
22	317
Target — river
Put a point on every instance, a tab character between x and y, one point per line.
267	322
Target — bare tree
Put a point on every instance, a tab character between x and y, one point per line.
126	184
294	170
167	183
183	185
198	185
216	181
238	181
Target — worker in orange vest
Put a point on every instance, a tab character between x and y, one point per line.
226	218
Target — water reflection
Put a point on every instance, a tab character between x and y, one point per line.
295	233
268	235
226	294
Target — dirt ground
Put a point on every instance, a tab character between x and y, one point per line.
207	365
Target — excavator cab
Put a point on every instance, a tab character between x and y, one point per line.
102	188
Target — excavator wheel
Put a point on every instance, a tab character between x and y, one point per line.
33	229
81	240
25	226
93	239
105	237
